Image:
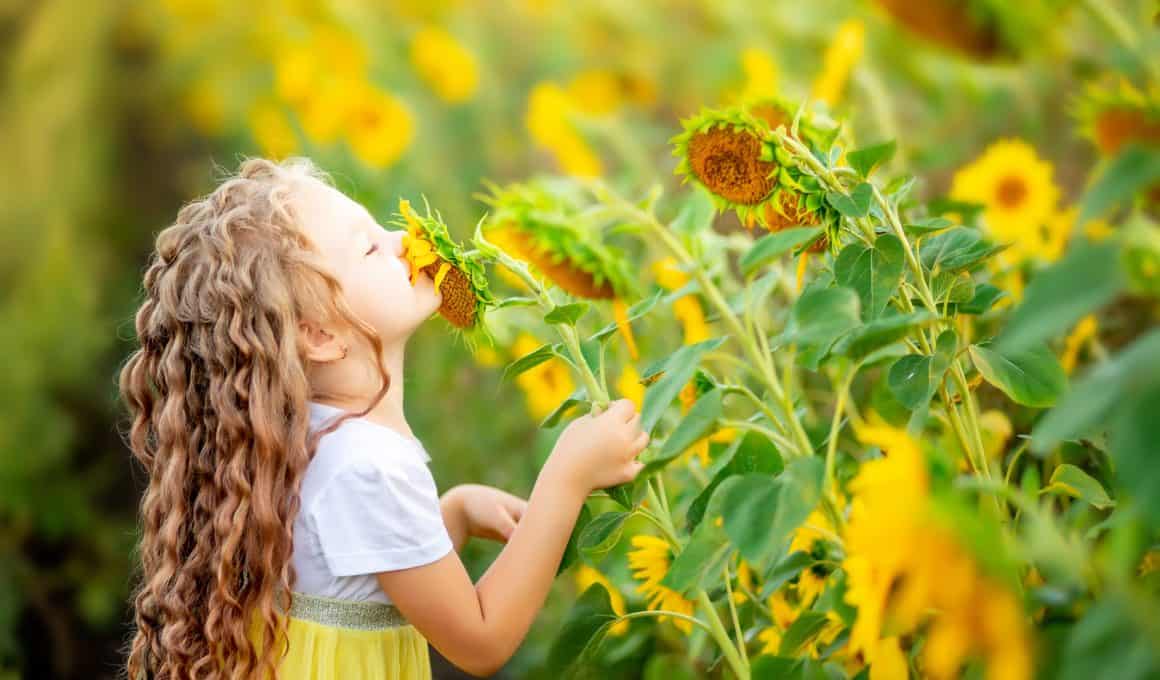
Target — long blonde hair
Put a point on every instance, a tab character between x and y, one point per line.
217	397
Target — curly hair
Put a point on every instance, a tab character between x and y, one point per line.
217	397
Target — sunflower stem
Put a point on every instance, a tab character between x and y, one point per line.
663	613
733	614
717	630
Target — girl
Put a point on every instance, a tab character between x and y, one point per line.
290	523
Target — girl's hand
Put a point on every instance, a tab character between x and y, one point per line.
484	511
597	451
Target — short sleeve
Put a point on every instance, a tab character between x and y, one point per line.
379	515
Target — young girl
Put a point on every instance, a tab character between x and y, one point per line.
290	522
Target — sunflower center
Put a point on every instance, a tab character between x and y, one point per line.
729	164
459	302
1011	192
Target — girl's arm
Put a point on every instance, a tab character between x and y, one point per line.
479	626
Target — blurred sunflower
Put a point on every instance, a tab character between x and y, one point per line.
759	76
596	92
549	120
1114	115
1018	195
982	29
448	67
545	386
809	538
459	276
687	309
628	385
380	127
586	577
843	53
272	130
650	560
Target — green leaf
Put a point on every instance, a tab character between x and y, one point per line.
583	631
783	570
1032	377
696	213
761	511
676	370
928	225
853	205
1092	401
1134	436
623	494
874	272
955	249
915	378
952	287
516	302
1059	296
821	315
802	632
697	424
528	361
866	159
865	339
750	452
601	535
577	398
567	314
699	562
634	312
986	295
773	246
1136	168
1072	481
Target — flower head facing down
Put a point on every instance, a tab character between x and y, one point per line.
459	276
649	560
1114	115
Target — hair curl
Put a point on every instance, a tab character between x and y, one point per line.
217	398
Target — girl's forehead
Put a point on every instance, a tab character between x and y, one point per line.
328	216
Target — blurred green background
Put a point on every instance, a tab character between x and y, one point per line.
114	113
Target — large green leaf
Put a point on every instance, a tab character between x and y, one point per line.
956	249
700	561
855	204
697	423
872	271
750	452
866	159
529	361
915	378
986	295
601	535
760	511
952	287
1032	377
1133	170
819	317
583	631
567	314
1093	400
773	246
634	312
572	550
867	338
675	371
1088	278
801	632
1135	446
1072	481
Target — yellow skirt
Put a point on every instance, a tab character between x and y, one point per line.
330	639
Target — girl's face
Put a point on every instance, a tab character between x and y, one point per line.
367	260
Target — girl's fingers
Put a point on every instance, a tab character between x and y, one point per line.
634	422
634	469
640	443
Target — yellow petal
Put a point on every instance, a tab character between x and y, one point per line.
620	312
443	269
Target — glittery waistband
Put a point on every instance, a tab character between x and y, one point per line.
329	611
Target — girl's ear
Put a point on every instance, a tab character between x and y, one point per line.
320	345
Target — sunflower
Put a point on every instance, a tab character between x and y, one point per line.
459	276
543	223
650	560
687	308
843	53
448	67
733	155
981	29
808	538
379	127
1114	115
1018	195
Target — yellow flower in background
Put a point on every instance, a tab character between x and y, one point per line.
206	107
487	356
812	581
890	662
586	577
996	430
546	385
1018	195
296	70
649	560
380	127
549	122
839	60
760	75
328	53
325	111
687	309
596	92
448	67
628	386
700	449
744	582
1084	331
272	129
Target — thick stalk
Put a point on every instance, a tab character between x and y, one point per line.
717	630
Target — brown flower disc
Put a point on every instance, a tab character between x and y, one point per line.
728	162
946	23
459	302
572	279
1116	127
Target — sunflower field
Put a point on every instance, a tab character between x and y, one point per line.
882	277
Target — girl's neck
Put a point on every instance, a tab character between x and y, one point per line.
389	411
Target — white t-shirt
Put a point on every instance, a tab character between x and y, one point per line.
369	504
